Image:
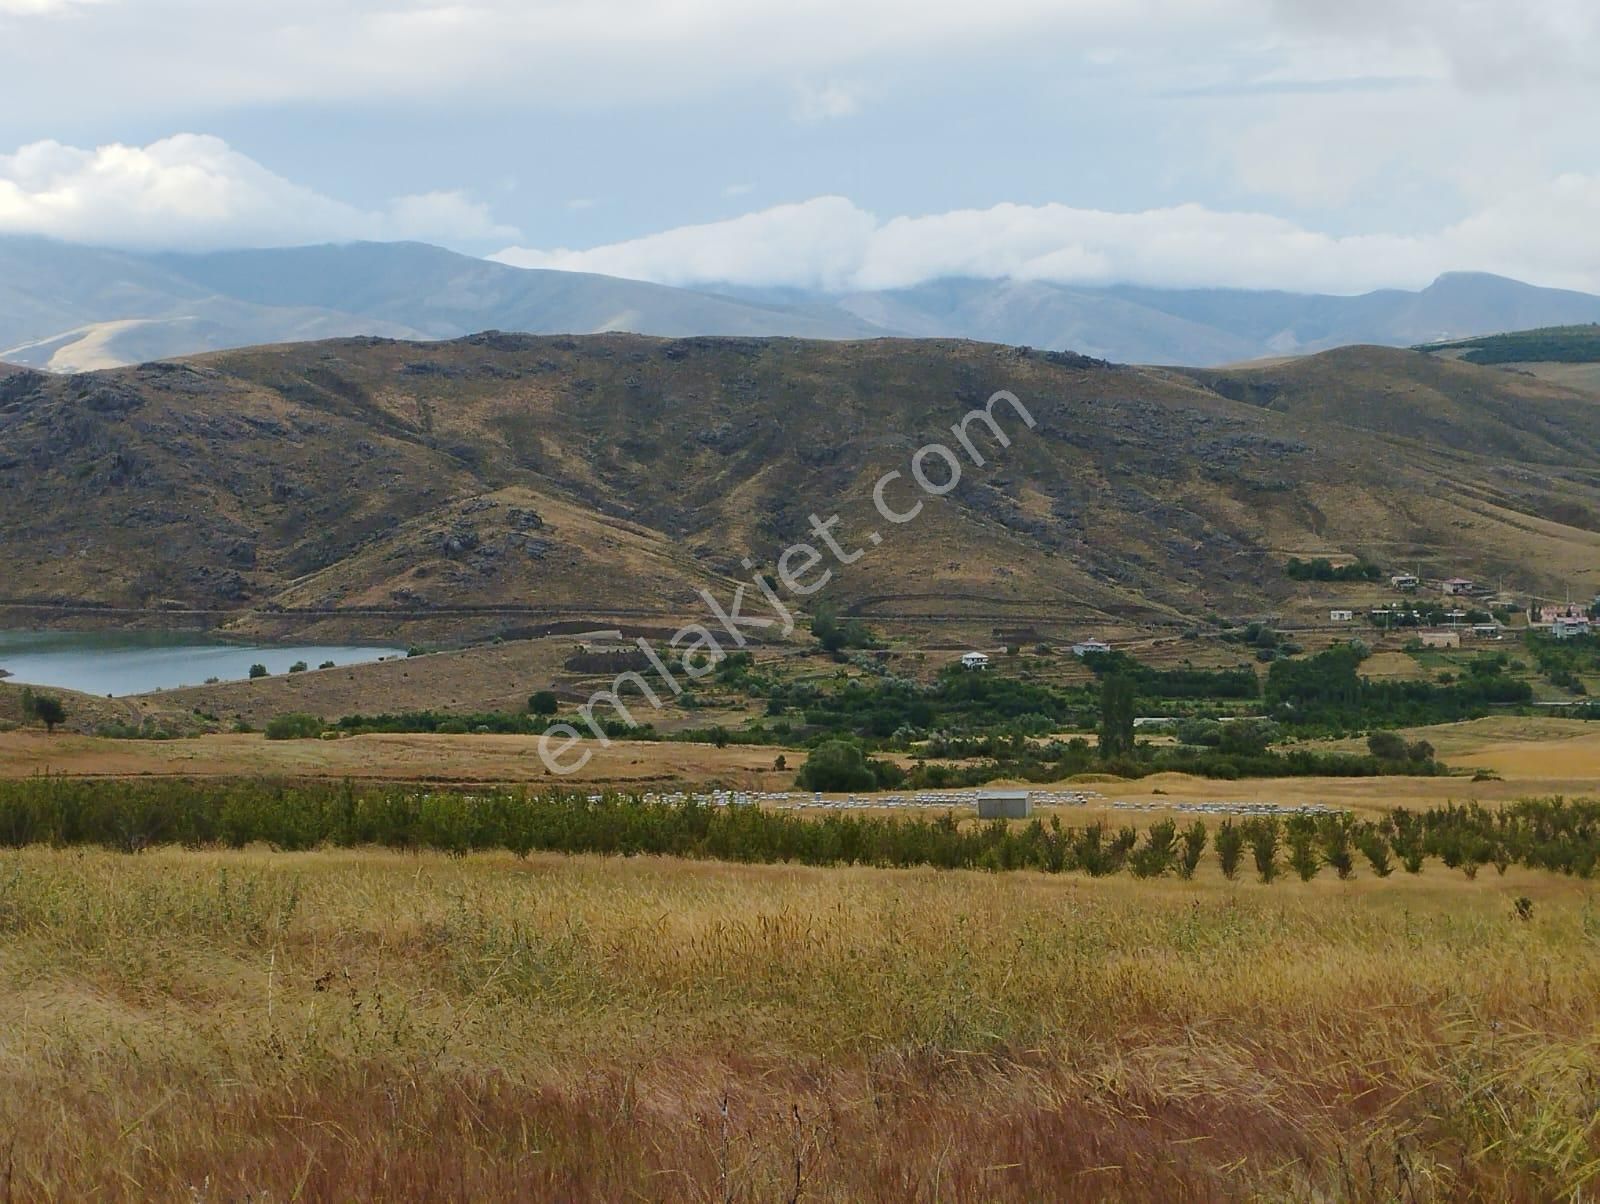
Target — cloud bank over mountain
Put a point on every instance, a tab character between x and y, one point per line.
194	192
1543	234
825	144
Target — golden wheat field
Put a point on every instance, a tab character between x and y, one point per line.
382	1026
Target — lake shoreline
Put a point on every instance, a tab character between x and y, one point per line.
128	664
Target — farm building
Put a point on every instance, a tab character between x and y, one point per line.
1487	631
1004	804
975	660
1341	616
1456	587
1440	639
1405	581
1088	646
1549	615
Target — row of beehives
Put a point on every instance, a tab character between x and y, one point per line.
945	799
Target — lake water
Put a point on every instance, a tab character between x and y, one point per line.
121	663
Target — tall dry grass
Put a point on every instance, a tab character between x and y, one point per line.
362	1025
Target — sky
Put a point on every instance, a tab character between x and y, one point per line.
824	144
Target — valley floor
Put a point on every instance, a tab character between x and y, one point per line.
1529	756
383	1026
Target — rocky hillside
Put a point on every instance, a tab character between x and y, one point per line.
613	475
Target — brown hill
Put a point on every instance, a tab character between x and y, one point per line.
613	475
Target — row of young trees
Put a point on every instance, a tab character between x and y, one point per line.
1546	834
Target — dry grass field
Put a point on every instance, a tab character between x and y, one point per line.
1528	756
381	1026
410	758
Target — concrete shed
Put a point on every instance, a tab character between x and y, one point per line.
1004	804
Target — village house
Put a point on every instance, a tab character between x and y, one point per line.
1570	627
1088	646
1341	616
1457	587
1406	582
975	660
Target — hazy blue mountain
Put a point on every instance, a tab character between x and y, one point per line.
1201	327
71	307
1456	305
1036	314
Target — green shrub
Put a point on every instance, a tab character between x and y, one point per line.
1375	848
1387	746
295	726
42	708
1194	845
1303	857
1262	835
1156	856
1230	848
1338	847
839	766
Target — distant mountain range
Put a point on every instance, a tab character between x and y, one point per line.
74	308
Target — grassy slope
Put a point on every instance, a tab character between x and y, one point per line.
343	475
1550	344
384	1026
1566	356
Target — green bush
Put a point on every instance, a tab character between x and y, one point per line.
49	711
296	726
839	766
1262	836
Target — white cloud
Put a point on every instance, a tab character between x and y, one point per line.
1482	44
155	53
449	217
37	8
820	243
1543	233
193	191
825	102
173	55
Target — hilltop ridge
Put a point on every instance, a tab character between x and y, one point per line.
617	474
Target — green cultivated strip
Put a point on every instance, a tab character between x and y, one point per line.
1547	834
